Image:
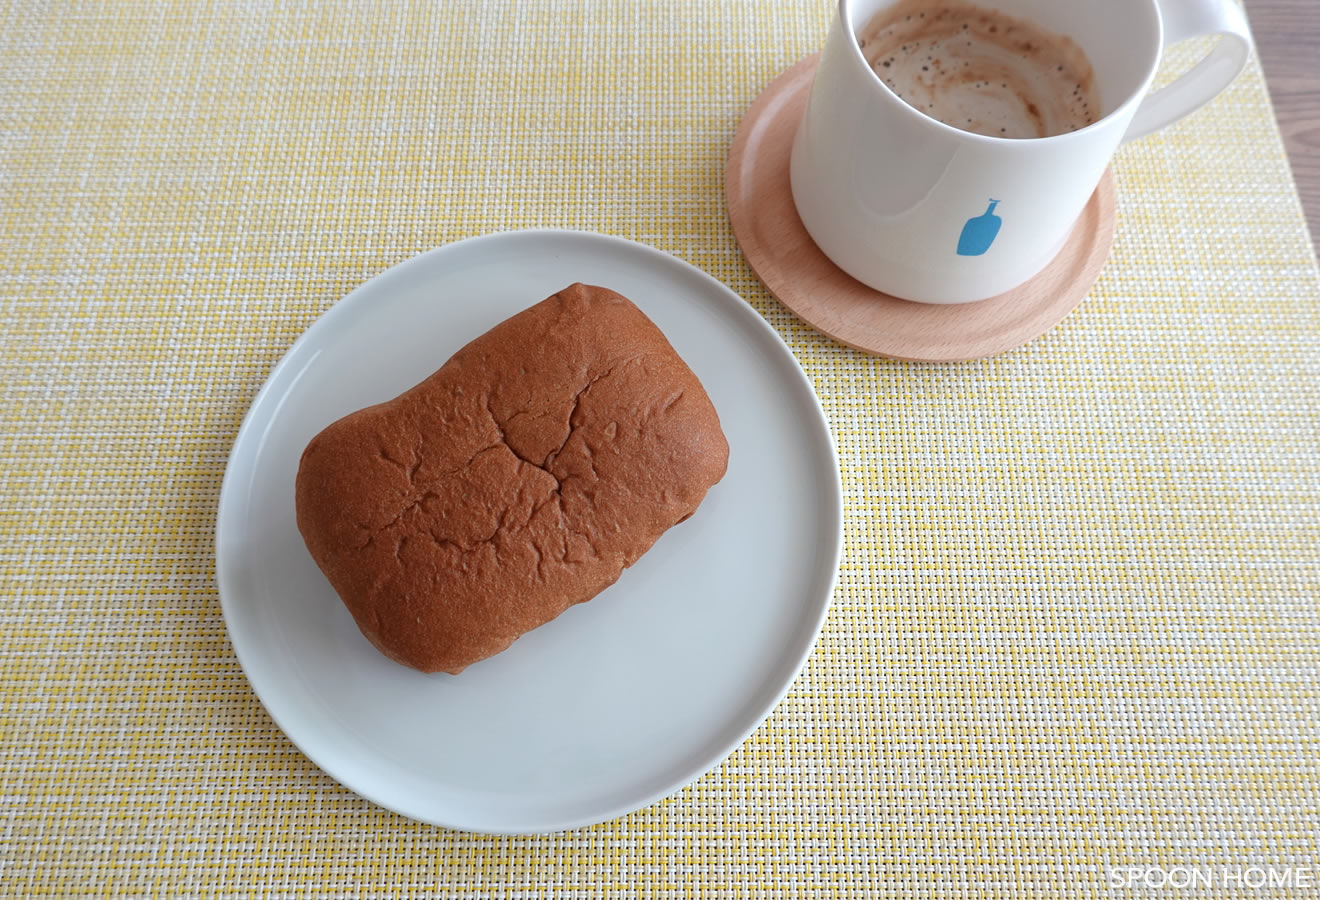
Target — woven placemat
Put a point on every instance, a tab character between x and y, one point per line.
1076	635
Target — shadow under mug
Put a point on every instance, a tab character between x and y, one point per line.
923	211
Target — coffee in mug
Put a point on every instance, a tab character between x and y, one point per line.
910	198
980	69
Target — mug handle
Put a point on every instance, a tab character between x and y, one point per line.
1198	86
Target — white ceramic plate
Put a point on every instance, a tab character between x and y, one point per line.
618	702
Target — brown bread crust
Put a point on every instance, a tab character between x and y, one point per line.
521	478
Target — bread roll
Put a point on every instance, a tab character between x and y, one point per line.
521	478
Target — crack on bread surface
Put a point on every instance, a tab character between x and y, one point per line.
519	479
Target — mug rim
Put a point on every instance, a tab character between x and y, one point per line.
1105	122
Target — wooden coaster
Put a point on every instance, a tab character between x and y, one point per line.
783	256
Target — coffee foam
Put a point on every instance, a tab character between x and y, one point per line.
981	70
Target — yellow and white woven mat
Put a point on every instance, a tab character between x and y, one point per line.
1077	630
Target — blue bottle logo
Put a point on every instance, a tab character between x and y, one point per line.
979	232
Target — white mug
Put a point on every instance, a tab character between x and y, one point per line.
887	192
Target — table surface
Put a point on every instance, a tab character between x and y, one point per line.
1075	635
1287	34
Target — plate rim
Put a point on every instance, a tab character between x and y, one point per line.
229	500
